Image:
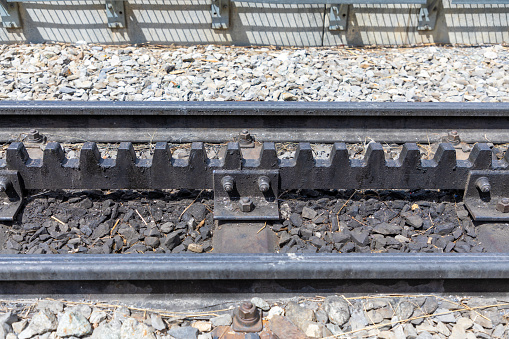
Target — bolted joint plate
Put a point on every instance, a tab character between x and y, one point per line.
483	205
227	205
11	195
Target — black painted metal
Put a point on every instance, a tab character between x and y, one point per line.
254	266
268	121
90	171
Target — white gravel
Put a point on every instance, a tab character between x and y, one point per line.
88	72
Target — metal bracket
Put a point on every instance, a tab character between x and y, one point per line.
115	12
338	17
246	194
9	11
220	13
484	190
11	195
428	16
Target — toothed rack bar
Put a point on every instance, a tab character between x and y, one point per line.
126	171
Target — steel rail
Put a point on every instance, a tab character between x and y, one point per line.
254	266
268	121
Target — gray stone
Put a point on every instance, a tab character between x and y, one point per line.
157	322
296	219
106	331
337	309
358	319
498	332
167	227
445	318
414	220
84	310
424	335
308	213
374	304
222	320
260	303
67	90
8	318
73	324
360	237
374	317
430	305
42	322
316	330
97	316
54	306
186	332
479	301
133	329
19	326
321	316
299	315
387	229
121	314
405	310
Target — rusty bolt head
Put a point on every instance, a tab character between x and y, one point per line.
246	139
246	205
503	205
247	311
34	136
453	137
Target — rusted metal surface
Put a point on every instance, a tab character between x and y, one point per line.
247	318
283	328
226	332
243	237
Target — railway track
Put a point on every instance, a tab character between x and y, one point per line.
247	178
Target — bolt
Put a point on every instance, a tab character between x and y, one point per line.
110	6
503	205
453	137
227	182
246	318
483	184
263	184
35	137
247	311
246	205
245	139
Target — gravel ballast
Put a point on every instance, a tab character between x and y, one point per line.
335	316
181	221
130	73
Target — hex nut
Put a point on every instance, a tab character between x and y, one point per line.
246	205
453	137
247	311
503	205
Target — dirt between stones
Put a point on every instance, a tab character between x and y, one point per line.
182	221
